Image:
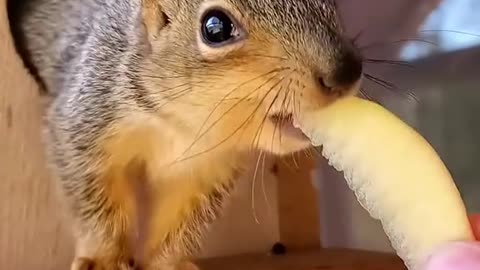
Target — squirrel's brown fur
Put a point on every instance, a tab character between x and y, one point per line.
149	126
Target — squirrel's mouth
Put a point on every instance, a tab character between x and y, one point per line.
285	126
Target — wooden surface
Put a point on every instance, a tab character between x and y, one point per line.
327	259
250	222
31	234
299	222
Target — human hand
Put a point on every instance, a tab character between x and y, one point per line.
459	256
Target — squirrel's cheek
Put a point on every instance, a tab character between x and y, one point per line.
456	256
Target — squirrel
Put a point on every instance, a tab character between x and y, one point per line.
158	104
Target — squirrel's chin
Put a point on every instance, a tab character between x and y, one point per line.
286	144
286	137
289	148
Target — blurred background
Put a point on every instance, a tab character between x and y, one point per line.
425	57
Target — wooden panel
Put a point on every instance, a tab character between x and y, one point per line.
330	259
249	224
31	234
297	202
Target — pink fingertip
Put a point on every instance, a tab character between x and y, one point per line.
456	256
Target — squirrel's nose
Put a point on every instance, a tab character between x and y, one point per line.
347	71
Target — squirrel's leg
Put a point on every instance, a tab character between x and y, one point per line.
101	176
103	216
99	172
172	250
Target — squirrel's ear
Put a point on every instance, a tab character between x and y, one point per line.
154	18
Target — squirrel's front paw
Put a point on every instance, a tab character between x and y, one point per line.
188	266
184	265
83	264
96	264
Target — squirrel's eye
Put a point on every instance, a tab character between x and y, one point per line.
217	27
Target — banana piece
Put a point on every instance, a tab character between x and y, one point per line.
395	173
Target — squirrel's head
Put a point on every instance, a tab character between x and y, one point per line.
241	71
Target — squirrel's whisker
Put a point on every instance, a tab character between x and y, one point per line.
450	31
252	188
249	118
199	134
365	94
284	108
269	56
258	134
357	37
389	86
264	190
389	62
391	43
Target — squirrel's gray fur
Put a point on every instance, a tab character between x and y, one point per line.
91	54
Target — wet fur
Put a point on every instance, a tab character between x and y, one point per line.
145	137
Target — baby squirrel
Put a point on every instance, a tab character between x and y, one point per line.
158	103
